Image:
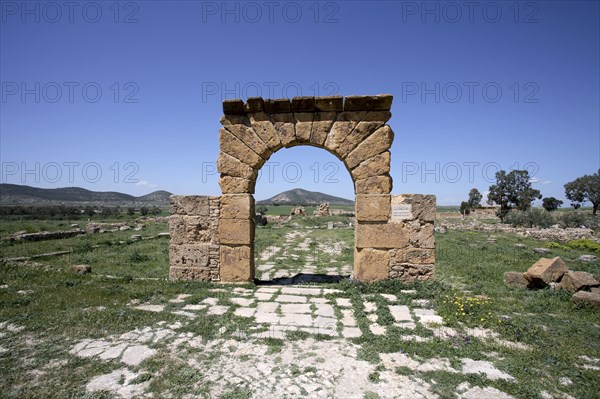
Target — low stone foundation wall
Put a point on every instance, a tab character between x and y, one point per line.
212	238
394	237
194	248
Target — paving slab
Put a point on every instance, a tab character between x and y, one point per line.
218	309
324	310
245	312
400	313
242	301
343	302
267	307
290	298
295	308
301	291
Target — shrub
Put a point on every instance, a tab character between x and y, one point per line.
534	217
584	245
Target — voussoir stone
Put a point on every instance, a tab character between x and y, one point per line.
240	126
322	123
367	126
303	122
263	126
232	166
577	281
235	147
546	271
374	166
284	128
344	124
376	143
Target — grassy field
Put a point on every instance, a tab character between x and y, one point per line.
46	308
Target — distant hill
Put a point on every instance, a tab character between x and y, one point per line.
299	196
18	194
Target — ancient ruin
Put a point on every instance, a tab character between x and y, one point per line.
212	238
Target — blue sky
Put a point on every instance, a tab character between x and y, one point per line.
127	96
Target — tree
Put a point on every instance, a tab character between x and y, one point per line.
465	208
512	190
130	210
144	211
585	188
551	203
474	198
155	211
262	209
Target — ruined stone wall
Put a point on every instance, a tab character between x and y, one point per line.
394	237
194	248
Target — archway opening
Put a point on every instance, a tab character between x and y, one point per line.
304	218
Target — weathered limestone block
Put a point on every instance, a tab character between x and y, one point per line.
409	273
236	263
263	126
195	255
329	103
284	128
374	185
233	107
194	205
254	104
376	143
303	104
303	126
342	127
421	234
381	235
593	298
322	123
240	127
236	185
371	264
577	281
190	273
237	206
278	106
235	147
191	229
545	271
367	126
515	280
373	207
374	166
380	102
236	231
226	164
412	255
421	206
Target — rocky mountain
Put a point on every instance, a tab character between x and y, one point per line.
20	194
299	196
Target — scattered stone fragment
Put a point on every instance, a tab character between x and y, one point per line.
516	280
545	271
587	258
351	332
577	281
370	307
521	246
150	308
541	250
592	298
82	269
470	366
195	307
180	298
377	329
136	354
218	309
389	297
400	313
242	301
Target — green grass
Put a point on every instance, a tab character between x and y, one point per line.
60	311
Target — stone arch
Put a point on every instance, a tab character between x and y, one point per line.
393	233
